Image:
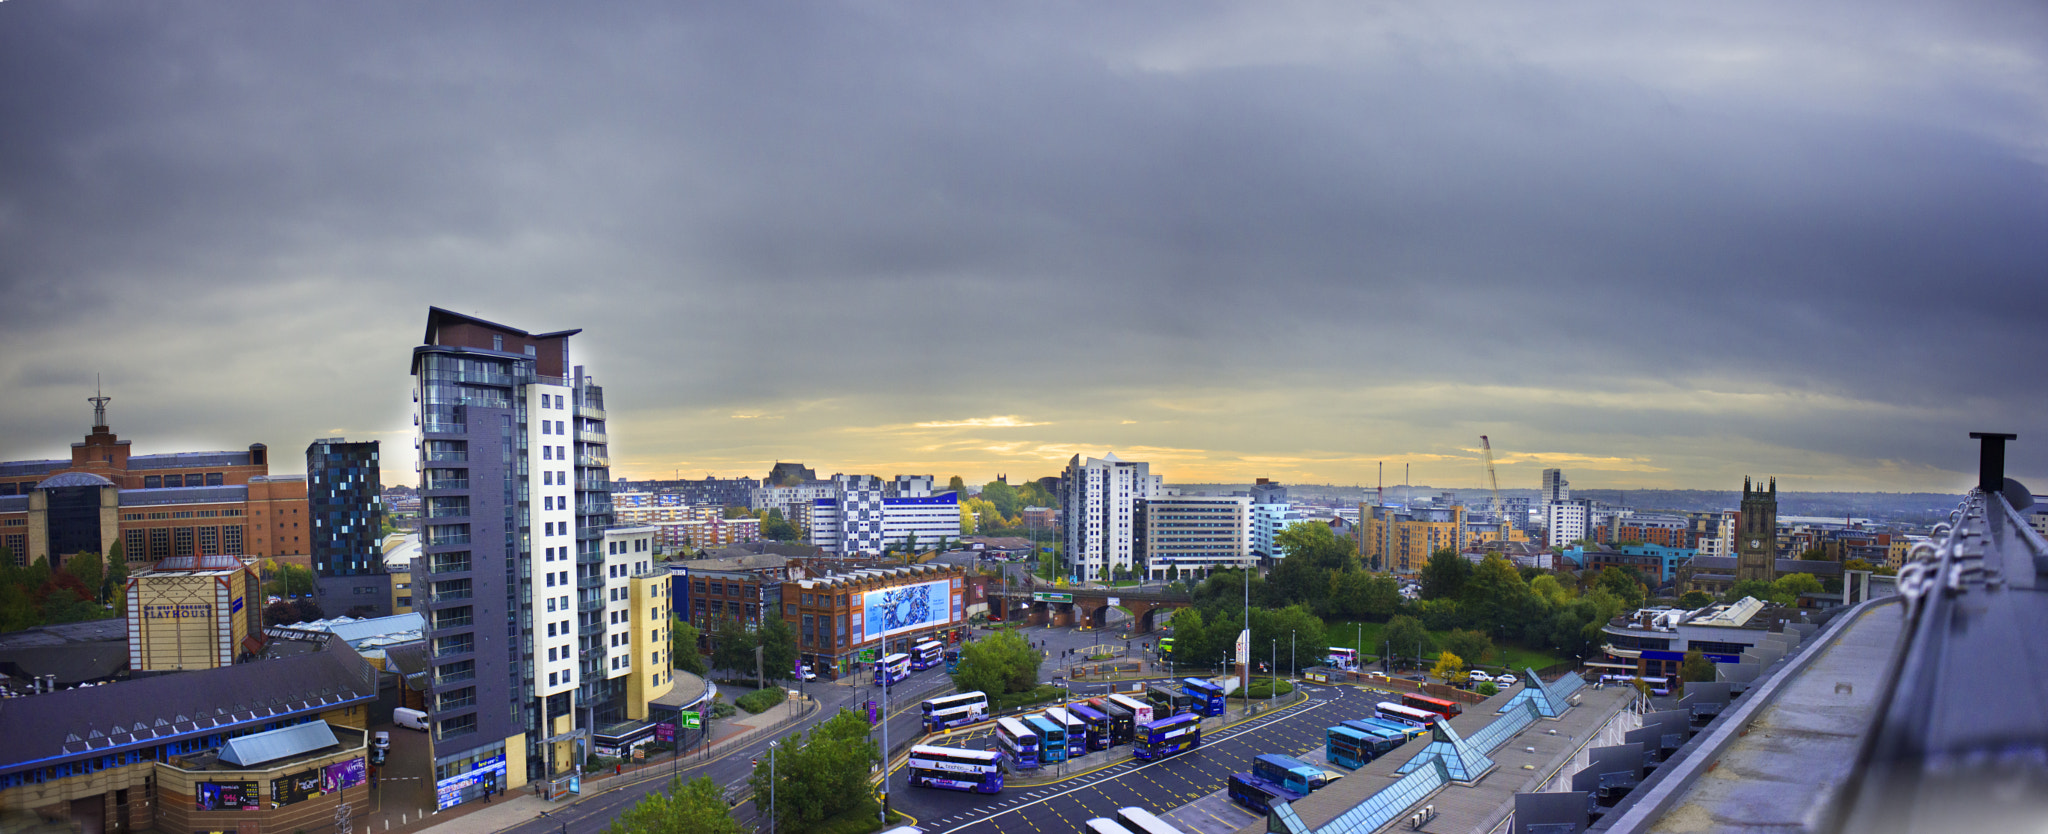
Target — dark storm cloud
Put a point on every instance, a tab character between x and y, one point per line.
1598	231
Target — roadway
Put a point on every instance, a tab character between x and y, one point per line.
1064	807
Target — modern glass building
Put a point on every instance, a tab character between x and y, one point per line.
343	489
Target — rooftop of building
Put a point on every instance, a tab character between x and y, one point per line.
213	565
184	495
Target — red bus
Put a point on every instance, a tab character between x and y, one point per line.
1439	706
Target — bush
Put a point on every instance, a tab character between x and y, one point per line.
1039	695
760	700
1487	689
860	820
721	709
1264	688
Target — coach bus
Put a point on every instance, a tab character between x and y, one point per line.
1020	741
1141	821
1342	658
1078	742
1141	712
926	655
1096	721
1052	739
1167	701
1421	719
1121	725
954	768
1288	772
1207	697
1168	736
1257	794
954	710
892	669
1439	706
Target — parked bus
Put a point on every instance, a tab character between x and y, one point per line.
1288	772
1419	718
1658	686
1168	736
1100	825
1121	725
1141	712
1348	747
1097	722
1439	706
926	655
1208	697
1257	794
1404	731
1141	821
1052	739
1078	743
1342	658
1168	701
954	768
1020	741
895	667
952	661
954	710
1389	734
1165	647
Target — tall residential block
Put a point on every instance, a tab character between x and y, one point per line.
343	484
525	585
1098	499
1270	514
1191	536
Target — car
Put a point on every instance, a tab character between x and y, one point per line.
1418	678
1505	681
380	740
809	675
376	756
1476	676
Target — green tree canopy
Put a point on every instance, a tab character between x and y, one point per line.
1002	497
778	648
1696	667
1763	591
1695	599
1444	575
959	486
1471	645
1000	664
1404	636
694	807
1314	542
819	777
1794	584
683	653
1450	668
732	646
1623	584
91	572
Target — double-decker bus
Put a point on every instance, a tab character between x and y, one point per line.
1287	772
1166	701
954	768
1103	825
1052	739
1342	658
1207	697
1439	706
1168	736
952	661
926	655
1389	734
1257	794
1121	725
892	669
1141	821
1097	722
954	710
1165	647
1419	718
1020	741
1348	747
1141	712
1076	727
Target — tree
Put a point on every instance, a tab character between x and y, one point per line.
1552	591
694	807
117	574
1696	667
966	519
1793	584
1858	564
281	612
1192	641
1449	668
1314	542
306	610
1695	599
1406	637
284	579
682	647
1814	554
1468	644
1382	597
778	648
91	573
1000	663
1001	496
1623	585
1298	632
1444	575
732	645
819	777
777	528
1763	591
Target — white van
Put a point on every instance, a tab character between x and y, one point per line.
1478	677
409	718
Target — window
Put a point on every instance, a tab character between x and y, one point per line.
213	479
152	481
497	342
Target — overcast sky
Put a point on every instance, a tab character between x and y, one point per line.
1657	245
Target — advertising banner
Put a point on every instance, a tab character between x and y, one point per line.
295	788
1048	596
340	775
905	608
227	796
448	792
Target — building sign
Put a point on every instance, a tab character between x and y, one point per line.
227	796
692	720
340	775
1651	654
448	792
295	788
1048	596
904	608
1113	601
168	612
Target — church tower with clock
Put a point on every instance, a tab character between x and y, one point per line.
1756	540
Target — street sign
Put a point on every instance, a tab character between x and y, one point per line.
867	655
692	720
1048	596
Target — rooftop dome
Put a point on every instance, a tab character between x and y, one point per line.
73	479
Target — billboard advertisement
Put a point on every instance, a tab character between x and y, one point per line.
906	607
227	796
340	775
295	788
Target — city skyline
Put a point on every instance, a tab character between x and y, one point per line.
1664	248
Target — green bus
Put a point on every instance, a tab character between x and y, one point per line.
1165	647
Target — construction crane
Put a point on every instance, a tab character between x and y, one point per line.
1493	483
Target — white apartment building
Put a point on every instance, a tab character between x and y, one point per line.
865	516
1184	536
1568	521
1099	498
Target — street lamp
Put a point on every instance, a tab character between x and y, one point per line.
771	785
1271	690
